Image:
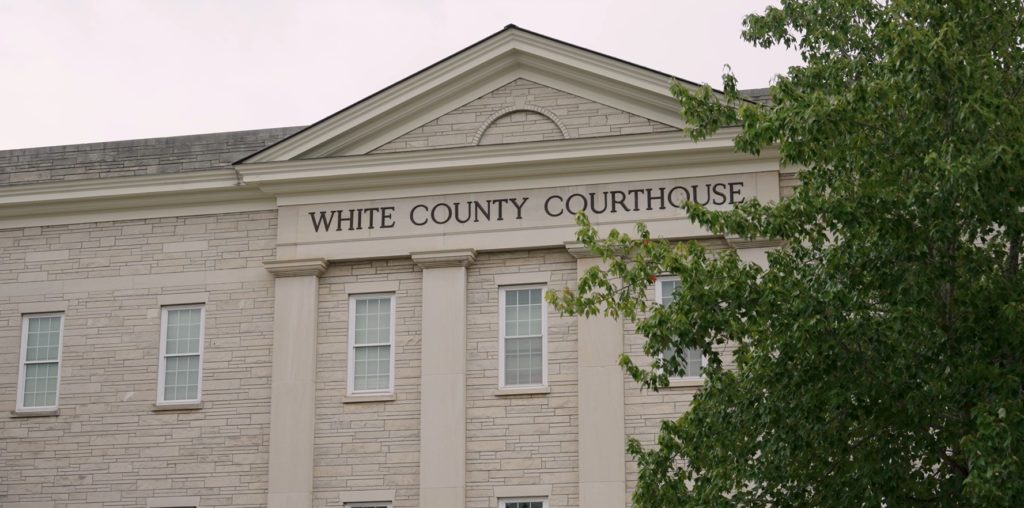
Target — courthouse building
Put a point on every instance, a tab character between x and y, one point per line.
351	313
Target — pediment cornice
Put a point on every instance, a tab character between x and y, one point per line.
497	60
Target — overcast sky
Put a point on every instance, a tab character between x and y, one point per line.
76	72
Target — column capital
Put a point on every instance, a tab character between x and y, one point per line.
579	251
737	242
296	267
444	258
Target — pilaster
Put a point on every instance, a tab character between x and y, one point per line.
443	378
602	409
292	390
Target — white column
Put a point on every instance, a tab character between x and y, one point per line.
443	378
602	418
293	381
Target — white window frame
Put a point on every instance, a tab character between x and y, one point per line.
386	504
352	346
504	502
163	351
20	406
658	295
543	336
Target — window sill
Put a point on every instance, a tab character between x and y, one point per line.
526	390
174	406
370	397
30	413
685	382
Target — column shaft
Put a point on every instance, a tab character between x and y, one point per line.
293	383
443	380
602	427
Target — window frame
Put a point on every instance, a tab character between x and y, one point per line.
504	502
370	504
161	379
351	374
502	290
22	365
658	296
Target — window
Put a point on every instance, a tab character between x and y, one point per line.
522	324
39	379
531	502
665	293
368	505
181	354
371	331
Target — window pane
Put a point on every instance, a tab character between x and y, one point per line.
373	321
372	368
693	358
524	358
43	341
523	312
183	327
40	385
668	288
524	504
181	378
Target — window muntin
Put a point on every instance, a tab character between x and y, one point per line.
371	344
39	376
532	502
665	293
523	336
181	354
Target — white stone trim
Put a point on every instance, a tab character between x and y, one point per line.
511	279
172	502
367	496
507	491
51	307
383	286
512	109
182	298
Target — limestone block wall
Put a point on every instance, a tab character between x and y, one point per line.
362	446
520	439
646	409
581	118
108	447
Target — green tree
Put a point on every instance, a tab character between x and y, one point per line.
880	355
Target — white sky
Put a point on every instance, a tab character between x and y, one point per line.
75	72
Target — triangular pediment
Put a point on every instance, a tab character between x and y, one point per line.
518	112
512	87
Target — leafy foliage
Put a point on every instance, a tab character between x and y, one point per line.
880	354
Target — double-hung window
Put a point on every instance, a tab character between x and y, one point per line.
530	502
693	357
371	355
522	324
181	354
39	379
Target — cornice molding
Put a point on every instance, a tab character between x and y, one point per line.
297	267
516	160
752	243
444	258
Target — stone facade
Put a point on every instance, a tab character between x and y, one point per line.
109	447
277	425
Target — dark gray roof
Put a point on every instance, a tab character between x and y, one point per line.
758	95
178	154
